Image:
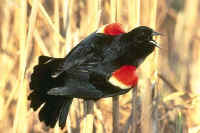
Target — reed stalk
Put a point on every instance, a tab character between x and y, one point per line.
21	108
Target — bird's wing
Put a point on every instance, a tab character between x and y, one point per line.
77	88
88	50
93	87
75	83
93	83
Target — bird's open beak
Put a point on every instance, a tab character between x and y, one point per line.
154	42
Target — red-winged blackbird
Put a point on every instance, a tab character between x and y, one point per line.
102	65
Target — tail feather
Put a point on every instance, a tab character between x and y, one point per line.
43	59
55	107
37	99
41	79
64	112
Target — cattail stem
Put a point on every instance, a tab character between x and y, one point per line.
134	111
115	109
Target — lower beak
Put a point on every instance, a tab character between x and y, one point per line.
155	43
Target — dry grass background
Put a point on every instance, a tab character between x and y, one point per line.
167	97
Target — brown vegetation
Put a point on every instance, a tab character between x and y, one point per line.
167	97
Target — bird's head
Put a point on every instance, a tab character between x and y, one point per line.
143	35
140	35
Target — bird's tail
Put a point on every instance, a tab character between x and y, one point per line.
55	107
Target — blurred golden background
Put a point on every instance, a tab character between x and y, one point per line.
167	97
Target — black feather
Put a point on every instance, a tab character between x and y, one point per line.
64	112
51	109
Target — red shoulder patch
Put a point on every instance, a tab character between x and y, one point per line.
111	29
126	75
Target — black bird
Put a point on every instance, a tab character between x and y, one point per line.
102	65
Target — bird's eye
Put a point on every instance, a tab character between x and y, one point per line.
143	34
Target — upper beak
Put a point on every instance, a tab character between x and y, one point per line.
157	34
